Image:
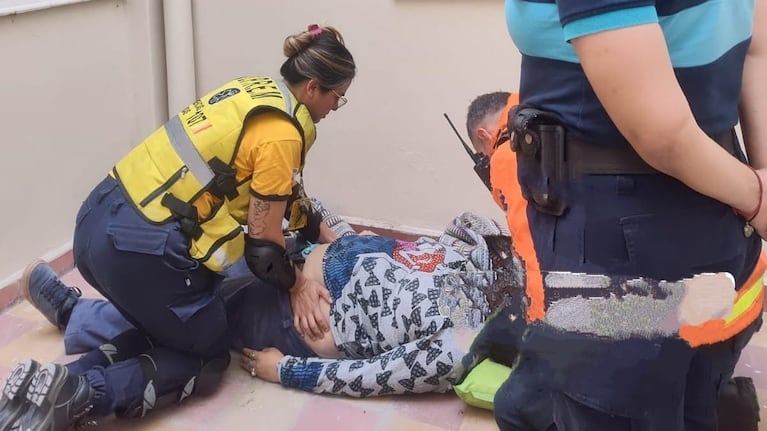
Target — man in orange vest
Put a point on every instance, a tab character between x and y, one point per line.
524	402
486	125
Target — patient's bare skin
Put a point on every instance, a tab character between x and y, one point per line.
325	347
312	268
263	363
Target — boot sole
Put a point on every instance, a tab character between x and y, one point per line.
24	282
15	390
45	386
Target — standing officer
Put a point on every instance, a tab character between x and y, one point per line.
630	165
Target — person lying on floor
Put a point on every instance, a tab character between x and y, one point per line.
388	334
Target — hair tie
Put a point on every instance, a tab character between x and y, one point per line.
314	30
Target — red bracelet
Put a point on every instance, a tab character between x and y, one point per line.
752	215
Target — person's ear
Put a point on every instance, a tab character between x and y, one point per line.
313	88
484	135
483	142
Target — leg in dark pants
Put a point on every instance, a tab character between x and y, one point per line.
133	385
652	226
146	272
711	368
523	402
93	322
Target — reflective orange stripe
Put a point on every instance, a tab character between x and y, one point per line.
749	304
508	195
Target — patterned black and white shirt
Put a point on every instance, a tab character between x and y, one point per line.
385	320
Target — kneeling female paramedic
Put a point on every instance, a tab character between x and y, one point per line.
155	235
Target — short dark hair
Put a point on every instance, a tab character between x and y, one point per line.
488	103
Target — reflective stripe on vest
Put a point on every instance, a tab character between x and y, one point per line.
620	308
186	150
749	305
745	301
286	96
208	129
183	145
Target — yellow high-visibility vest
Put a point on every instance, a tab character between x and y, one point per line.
178	159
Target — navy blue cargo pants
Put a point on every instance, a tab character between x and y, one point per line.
145	270
648	225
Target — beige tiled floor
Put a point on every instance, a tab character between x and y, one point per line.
246	402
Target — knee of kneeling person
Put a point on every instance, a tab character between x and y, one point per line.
211	374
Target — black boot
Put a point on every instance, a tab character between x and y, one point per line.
14	400
57	400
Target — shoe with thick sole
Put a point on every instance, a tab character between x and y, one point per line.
57	400
14	398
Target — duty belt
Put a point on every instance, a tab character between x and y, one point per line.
540	136
583	158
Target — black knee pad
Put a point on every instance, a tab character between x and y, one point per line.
270	262
170	377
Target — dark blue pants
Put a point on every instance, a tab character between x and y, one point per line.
523	402
93	322
145	270
648	225
259	316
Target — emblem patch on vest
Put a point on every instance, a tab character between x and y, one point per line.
223	94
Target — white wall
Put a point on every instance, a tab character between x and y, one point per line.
389	154
83	83
77	94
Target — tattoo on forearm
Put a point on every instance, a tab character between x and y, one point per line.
259	210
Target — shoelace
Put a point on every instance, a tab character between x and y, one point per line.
80	421
57	296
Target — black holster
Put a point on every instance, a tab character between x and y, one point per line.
548	157
538	138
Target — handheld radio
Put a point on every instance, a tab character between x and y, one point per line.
481	161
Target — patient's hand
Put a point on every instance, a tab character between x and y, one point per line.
262	363
309	318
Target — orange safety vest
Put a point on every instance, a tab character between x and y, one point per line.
507	193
